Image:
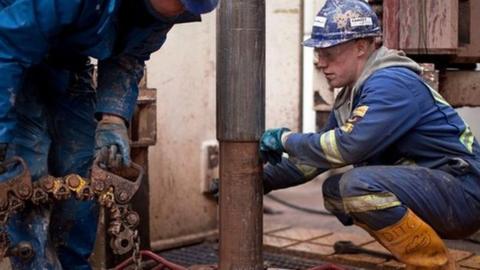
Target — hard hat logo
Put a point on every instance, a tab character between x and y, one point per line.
342	20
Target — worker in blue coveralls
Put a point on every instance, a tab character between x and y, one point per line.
50	106
416	175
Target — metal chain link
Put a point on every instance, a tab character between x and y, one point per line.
136	256
15	193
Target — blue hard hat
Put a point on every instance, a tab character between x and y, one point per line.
198	7
342	20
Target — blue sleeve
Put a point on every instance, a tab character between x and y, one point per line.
386	110
330	124
118	76
117	90
26	27
291	172
287	174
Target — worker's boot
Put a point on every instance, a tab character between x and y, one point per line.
415	243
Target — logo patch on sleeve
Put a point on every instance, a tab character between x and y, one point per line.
360	111
357	115
347	127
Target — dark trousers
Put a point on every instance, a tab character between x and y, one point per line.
55	135
449	204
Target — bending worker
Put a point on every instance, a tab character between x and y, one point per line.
416	163
49	104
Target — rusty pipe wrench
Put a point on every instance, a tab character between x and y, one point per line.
123	189
115	193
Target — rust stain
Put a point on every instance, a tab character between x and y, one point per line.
286	11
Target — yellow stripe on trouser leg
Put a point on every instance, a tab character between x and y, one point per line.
370	202
415	243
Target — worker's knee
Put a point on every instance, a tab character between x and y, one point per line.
330	187
333	201
359	182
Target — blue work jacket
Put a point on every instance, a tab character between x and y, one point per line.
121	34
397	119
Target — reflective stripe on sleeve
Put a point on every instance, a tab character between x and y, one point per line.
328	142
467	139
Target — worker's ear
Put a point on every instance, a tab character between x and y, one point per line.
363	47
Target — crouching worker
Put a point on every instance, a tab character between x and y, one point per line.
416	163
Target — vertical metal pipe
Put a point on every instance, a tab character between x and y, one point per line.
240	123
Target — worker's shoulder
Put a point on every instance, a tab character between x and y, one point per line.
398	78
396	73
76	6
51	14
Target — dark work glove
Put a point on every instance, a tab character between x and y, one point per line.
271	147
112	145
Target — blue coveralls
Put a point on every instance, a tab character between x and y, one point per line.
409	148
48	101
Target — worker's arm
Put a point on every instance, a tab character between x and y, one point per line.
117	91
330	124
386	109
289	172
119	75
26	27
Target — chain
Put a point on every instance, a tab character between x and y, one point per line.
4	243
15	193
136	256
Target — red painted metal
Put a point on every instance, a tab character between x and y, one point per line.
327	266
163	264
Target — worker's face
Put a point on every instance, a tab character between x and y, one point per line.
340	63
168	8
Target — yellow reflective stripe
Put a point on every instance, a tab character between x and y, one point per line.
347	127
467	139
360	111
306	170
370	202
405	161
438	97
328	142
333	205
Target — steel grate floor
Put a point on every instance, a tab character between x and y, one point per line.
206	253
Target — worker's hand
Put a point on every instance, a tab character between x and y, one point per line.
111	142
271	146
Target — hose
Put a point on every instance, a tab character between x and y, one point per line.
300	208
